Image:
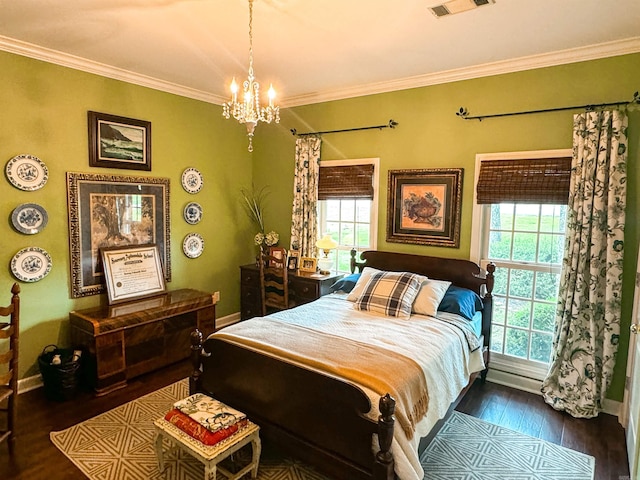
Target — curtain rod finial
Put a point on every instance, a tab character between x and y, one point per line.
294	132
392	123
462	113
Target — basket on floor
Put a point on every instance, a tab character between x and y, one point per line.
61	379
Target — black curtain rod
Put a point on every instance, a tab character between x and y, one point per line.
391	124
464	114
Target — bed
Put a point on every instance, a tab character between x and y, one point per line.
332	399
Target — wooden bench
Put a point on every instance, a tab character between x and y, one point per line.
210	456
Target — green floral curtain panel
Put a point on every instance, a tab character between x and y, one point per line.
304	217
588	313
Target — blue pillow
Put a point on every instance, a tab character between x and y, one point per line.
345	284
462	301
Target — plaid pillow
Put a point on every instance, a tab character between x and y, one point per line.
390	293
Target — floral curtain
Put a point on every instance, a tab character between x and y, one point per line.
588	313
304	217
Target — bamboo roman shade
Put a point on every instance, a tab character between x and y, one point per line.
540	180
345	181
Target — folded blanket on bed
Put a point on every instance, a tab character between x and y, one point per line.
381	370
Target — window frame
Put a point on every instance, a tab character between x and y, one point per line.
373	225
479	224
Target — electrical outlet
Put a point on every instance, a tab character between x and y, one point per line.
216	297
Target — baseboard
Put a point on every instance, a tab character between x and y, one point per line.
227	320
30	383
611	407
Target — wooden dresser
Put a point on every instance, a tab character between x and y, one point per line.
303	288
136	337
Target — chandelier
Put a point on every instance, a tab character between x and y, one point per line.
248	110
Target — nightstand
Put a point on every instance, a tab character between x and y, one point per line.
303	288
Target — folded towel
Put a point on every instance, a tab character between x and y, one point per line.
208	412
192	428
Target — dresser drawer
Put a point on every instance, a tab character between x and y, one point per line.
304	290
249	277
250	302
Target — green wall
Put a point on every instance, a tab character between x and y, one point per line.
44	113
430	135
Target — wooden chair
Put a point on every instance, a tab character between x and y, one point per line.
9	379
273	280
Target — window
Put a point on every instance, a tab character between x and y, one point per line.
349	215
526	242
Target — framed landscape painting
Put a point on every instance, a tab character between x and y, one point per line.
424	206
114	211
119	142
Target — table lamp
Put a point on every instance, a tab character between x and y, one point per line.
326	244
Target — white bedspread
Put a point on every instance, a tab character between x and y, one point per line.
441	349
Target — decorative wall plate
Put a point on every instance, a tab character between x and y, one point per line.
29	218
27	172
193	245
192	213
192	180
31	264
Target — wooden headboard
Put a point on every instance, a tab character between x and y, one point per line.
462	273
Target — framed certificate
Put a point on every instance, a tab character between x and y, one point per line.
132	272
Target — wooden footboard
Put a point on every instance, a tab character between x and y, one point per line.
317	418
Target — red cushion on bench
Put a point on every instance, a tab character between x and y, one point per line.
194	429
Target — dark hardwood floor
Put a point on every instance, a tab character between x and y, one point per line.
37	458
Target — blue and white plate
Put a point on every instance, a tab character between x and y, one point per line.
193	245
27	172
29	218
31	264
192	213
192	180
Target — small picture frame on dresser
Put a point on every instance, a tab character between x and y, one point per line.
308	264
292	261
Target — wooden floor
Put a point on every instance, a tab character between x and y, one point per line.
37	458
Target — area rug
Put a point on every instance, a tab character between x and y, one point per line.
118	444
486	451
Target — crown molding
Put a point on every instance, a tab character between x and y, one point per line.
78	63
573	55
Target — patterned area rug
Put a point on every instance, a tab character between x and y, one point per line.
118	445
490	452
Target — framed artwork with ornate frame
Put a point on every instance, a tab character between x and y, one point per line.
119	142
424	206
114	210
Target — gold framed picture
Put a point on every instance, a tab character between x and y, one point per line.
307	264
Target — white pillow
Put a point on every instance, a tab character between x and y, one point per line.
430	296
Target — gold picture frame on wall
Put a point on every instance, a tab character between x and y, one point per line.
114	210
424	206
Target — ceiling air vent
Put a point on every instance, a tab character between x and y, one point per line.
457	6
440	11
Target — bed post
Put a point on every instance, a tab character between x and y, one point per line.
384	463
487	316
196	348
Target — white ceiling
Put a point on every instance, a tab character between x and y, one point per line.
312	50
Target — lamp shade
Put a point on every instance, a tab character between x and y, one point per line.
326	243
